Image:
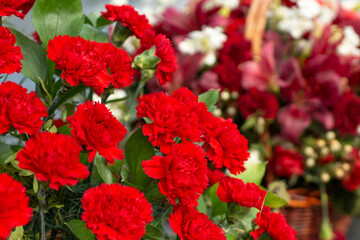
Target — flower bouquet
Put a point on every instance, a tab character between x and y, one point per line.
165	168
289	77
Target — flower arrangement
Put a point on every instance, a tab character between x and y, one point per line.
166	168
289	78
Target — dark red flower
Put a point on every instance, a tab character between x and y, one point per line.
20	109
14	205
164	51
190	224
273	223
59	123
94	127
10	55
116	212
214	176
256	100
347	114
235	190
352	181
129	17
326	159
171	117
225	145
81	61
287	163
182	173
119	63
53	157
36	37
13	7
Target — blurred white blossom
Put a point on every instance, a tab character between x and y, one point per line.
210	4
208	40
119	2
350	43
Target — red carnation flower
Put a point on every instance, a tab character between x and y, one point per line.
347	114
53	157
129	17
164	51
225	145
116	212
256	100
20	109
235	190
81	61
98	130
172	116
190	224
215	176
13	7
119	63
14	205
59	123
36	37
287	163
275	224
182	173
10	55
352	181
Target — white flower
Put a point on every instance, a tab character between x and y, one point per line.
210	4
308	8
350	43
118	2
208	40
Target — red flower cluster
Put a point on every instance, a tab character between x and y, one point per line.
53	157
87	62
171	118
190	224
215	176
235	190
14	205
347	114
181	115
10	55
20	109
129	17
164	51
226	146
256	100
116	212
275	224
13	7
352	181
182	173
287	163
94	127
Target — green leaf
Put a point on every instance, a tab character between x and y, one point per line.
265	236
54	17
138	149
69	94
274	201
17	234
93	34
64	129
34	62
5	153
104	172
152	193
210	98
217	207
201	205
254	173
35	185
78	228
153	233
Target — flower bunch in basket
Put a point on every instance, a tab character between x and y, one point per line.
165	167
289	77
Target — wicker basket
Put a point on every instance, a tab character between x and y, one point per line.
304	215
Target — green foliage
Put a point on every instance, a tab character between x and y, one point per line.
104	173
93	34
217	207
210	98
254	173
138	149
153	233
274	201
78	228
5	153
54	17
34	58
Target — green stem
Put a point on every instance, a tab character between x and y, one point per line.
324	201
108	91
63	89
41	199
